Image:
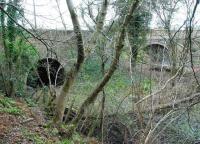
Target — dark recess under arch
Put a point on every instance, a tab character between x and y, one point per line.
39	76
158	53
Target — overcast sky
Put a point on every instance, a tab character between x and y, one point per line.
48	15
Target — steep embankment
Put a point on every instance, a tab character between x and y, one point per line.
22	124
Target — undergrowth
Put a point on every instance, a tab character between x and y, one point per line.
8	105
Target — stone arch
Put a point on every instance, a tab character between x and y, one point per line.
158	53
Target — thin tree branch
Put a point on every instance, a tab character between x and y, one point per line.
190	41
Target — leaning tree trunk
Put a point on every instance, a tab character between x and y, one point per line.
60	103
118	47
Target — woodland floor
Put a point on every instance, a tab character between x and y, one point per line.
24	128
22	124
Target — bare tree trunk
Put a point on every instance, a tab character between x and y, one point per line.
101	115
3	36
118	47
190	40
34	11
99	27
174	60
60	103
60	13
102	16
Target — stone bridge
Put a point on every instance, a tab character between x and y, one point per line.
158	44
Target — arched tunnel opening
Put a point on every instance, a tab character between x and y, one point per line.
159	54
48	71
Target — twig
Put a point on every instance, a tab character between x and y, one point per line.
27	120
178	102
157	92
